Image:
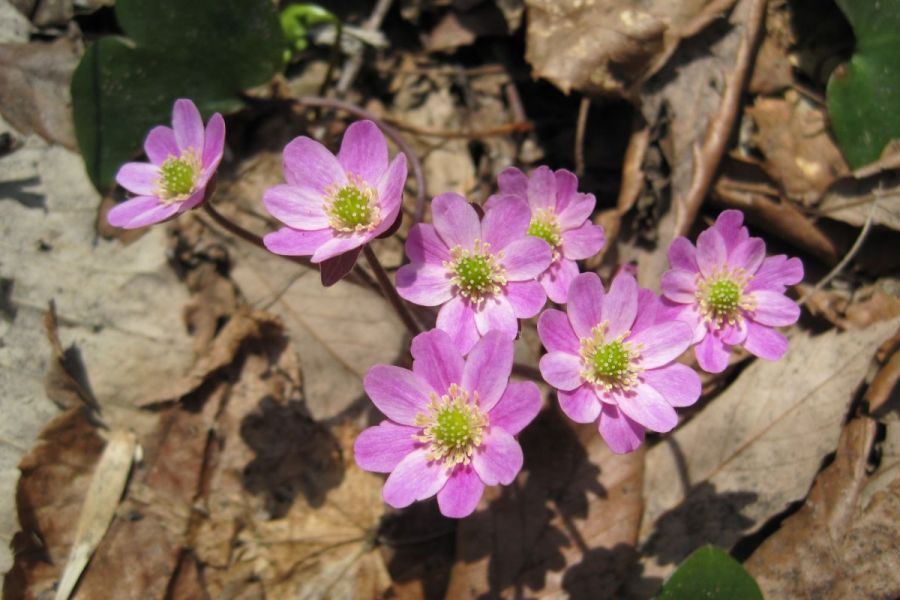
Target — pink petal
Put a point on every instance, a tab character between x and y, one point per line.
683	255
504	222
364	151
729	224
558	278
620	305
160	145
647	407
585	303
496	314
526	297
423	245
556	333
577	212
455	221
542	189
686	313
488	367
774	309
748	255
526	258
193	200
517	407
460	496
457	318
581	404
499	458
621	434
214	142
399	393
437	360
340	243
139	212
381	448
415	478
734	335
336	268
566	189
661	344
648	311
680	286
309	164
561	370
513	181
711	252
678	384
765	342
188	126
139	178
390	193
301	208
776	272
712	353
583	242
423	284
294	242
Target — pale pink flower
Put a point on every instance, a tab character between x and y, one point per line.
183	160
730	293
611	357
451	423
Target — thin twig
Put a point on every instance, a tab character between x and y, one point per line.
353	64
390	292
584	107
499	130
706	160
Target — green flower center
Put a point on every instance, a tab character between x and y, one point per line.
178	176
474	273
352	207
609	363
544	226
452	427
611	360
724	296
721	297
477	274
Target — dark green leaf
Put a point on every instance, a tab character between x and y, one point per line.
205	50
864	94
710	574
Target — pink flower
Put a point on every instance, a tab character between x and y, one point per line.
611	358
183	159
730	293
560	215
334	205
451	423
481	271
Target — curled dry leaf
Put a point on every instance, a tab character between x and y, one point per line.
852	199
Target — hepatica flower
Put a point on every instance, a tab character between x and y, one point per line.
482	271
611	358
183	160
730	293
334	205
560	216
451	422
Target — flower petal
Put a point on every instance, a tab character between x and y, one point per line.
526	258
187	126
381	448
620	305
139	178
765	342
139	212
364	151
712	353
774	309
213	142
160	145
517	407
399	393
556	332
566	189
425	285
662	343
577	212
460	496
679	286
776	272
678	384
506	221
734	335
648	311
583	242
526	297
561	370
338	244
647	407
542	189
621	434
513	181
309	164
455	221
499	458
423	245
711	252
558	278
496	314
581	404
683	255
729	224
487	369
415	478
748	255
390	193
437	360
294	242
457	318
585	303
336	268
299	207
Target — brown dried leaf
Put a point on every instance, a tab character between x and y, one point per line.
852	199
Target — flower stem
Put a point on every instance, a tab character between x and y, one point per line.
390	292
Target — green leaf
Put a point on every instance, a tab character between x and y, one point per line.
864	94
710	574
205	50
